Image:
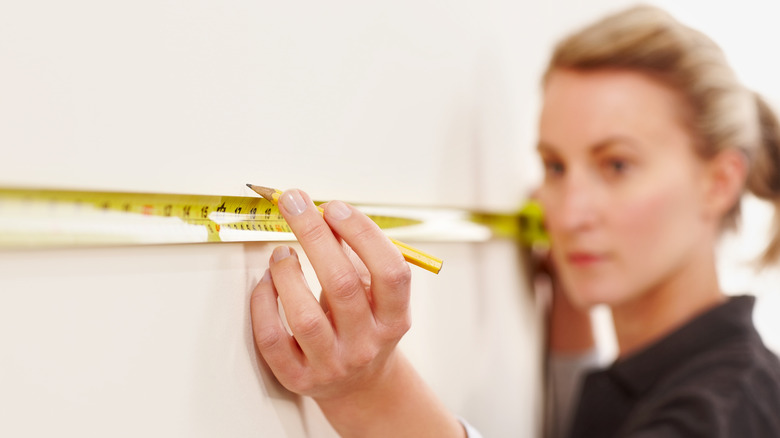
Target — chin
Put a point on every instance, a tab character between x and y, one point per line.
588	294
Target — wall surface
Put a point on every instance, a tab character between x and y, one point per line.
421	103
156	341
410	103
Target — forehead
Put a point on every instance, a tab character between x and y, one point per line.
585	108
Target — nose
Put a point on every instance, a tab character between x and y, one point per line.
578	204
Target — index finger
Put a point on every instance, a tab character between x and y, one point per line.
338	277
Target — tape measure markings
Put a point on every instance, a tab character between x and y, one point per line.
40	218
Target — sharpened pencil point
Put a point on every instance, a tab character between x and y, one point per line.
265	192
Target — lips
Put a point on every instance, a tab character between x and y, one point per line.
585	259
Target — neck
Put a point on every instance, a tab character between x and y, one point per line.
689	291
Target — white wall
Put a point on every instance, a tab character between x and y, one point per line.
409	102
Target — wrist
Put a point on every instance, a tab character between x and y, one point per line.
397	402
363	406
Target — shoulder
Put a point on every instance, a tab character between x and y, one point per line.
733	390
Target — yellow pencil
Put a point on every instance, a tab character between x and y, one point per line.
411	255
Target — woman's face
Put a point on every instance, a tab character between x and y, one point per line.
623	188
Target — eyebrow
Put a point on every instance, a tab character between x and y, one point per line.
545	147
597	147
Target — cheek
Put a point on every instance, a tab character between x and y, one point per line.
656	226
643	218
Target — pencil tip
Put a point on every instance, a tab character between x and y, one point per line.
265	192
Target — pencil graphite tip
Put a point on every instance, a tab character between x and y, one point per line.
265	192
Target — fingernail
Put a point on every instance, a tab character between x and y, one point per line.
293	202
339	210
280	253
266	277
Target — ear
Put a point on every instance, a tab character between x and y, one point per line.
726	175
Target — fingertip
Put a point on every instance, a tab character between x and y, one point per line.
266	276
338	210
265	281
280	253
294	201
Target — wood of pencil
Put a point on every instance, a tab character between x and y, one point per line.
411	255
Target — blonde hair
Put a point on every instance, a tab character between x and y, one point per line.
722	113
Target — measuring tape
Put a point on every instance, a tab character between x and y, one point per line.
46	218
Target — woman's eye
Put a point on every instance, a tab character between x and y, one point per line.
554	168
617	166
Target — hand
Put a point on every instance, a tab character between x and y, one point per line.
570	327
346	345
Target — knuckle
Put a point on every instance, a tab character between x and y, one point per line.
334	375
307	325
396	329
269	338
397	276
345	284
403	325
366	233
363	357
299	383
315	233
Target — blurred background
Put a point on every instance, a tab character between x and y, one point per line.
422	103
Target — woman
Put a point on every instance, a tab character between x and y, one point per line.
648	142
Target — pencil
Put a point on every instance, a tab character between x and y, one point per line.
411	255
